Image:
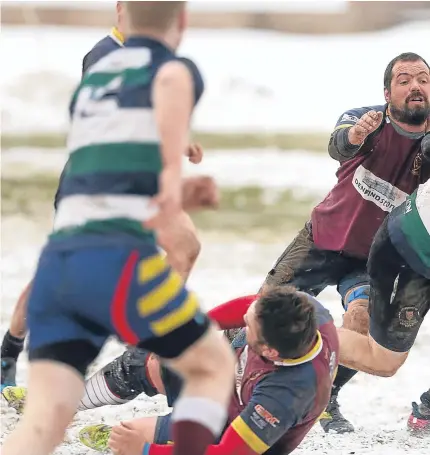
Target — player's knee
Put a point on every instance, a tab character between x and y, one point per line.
356	303
51	424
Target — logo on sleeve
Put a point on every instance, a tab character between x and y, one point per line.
266	415
349	118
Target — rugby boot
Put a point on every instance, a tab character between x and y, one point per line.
419	420
96	437
15	397
333	420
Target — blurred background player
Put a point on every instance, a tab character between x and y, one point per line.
399	269
179	239
101	272
381	162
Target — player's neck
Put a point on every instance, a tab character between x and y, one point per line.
168	38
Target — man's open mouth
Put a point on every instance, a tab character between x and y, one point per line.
416	99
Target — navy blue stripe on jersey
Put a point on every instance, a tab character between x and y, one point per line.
116	183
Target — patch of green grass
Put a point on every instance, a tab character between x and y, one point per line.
316	142
241	210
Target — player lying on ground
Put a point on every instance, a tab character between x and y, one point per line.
399	269
100	272
179	239
286	362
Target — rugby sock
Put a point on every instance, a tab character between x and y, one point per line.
11	346
97	393
197	422
343	376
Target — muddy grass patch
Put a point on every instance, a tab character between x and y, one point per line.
315	142
241	210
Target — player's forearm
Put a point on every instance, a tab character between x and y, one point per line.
362	353
339	147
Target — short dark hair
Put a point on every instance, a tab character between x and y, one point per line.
405	57
287	321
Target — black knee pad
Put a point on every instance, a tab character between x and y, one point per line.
127	376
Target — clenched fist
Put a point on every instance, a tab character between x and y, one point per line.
195	153
367	124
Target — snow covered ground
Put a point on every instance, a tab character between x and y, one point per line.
256	80
227	268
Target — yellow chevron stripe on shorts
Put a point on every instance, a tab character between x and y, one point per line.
249	437
161	295
177	317
151	267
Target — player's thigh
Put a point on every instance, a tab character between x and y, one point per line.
55	333
411	303
305	266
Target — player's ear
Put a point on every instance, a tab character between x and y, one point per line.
270	353
387	95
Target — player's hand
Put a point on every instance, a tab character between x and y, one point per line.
199	193
168	201
195	153
367	124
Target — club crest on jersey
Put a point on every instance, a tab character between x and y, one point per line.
409	316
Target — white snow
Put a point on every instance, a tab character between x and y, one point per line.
227	268
256	80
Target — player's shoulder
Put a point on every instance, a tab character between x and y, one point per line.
106	44
101	49
322	314
287	380
352	116
193	70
